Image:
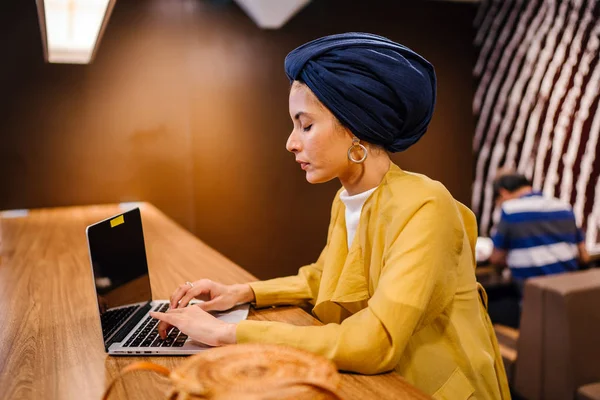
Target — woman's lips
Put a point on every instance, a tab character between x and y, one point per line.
303	164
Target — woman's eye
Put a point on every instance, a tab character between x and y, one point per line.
307	128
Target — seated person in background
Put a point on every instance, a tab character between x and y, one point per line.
536	235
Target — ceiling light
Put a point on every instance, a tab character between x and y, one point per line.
271	14
72	29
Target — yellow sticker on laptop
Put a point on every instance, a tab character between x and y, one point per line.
117	221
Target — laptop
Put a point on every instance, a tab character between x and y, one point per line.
122	284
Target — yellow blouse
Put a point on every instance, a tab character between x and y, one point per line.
403	297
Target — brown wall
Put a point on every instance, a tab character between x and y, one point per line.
185	106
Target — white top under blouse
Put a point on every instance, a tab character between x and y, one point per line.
354	206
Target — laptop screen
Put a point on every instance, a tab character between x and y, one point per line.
119	263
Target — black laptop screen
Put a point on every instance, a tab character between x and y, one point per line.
119	261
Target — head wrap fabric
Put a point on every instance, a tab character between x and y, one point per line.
381	90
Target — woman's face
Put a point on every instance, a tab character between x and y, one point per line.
319	142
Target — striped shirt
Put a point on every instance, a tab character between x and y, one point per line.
539	234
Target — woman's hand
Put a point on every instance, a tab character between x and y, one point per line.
216	296
197	324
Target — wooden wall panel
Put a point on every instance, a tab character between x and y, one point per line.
185	106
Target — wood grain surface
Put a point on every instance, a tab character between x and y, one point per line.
50	337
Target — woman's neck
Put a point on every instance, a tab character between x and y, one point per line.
359	178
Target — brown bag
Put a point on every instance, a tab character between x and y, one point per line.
248	371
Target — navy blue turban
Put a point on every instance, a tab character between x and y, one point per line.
381	90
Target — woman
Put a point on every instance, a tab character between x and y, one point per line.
395	284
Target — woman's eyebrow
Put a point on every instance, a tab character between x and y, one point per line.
300	114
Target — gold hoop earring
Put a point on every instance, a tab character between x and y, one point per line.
356	143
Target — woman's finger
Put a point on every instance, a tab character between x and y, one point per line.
201	290
166	317
178	294
212	305
163	328
166	321
191	294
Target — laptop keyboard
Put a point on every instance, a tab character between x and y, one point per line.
147	334
112	319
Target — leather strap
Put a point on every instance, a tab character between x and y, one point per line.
482	296
137	366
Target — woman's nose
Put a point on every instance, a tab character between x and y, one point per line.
292	145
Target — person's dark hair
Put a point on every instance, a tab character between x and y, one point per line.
510	182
